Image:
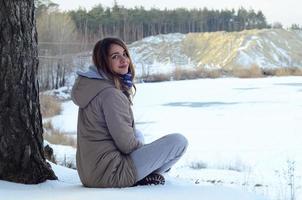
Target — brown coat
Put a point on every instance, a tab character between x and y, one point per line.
105	134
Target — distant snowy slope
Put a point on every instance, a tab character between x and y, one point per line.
269	48
159	54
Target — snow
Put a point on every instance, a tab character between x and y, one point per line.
246	45
172	37
267	50
244	59
247	57
69	187
62	93
65	155
241	133
284	57
250	125
159	54
66	122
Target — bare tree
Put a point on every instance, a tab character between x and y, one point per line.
57	44
21	140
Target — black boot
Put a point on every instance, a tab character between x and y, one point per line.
152	179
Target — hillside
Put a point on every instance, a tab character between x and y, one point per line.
266	49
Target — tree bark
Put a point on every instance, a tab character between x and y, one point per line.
21	141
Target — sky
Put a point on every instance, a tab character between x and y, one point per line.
285	11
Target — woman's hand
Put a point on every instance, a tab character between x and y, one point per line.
139	136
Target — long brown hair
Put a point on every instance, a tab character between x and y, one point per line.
100	59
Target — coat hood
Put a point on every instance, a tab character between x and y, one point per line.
88	85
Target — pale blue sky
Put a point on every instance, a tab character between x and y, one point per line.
284	11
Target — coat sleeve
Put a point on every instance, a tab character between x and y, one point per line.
116	109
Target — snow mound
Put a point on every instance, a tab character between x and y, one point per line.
69	187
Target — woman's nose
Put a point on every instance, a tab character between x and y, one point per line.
122	59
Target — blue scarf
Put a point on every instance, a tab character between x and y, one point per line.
127	79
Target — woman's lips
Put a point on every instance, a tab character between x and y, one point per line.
123	66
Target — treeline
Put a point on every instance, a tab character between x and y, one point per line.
133	24
62	36
57	45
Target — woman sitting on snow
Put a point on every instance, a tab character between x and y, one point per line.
110	151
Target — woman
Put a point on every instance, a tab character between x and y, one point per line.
110	151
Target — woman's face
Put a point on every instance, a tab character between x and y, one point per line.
118	59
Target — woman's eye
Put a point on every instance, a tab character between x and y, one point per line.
114	57
125	55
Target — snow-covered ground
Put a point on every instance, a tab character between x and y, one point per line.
244	134
69	187
241	131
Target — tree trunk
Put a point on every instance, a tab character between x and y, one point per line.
21	140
